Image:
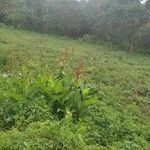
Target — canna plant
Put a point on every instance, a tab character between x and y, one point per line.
66	92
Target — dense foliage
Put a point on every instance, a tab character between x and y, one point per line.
41	111
47	101
114	21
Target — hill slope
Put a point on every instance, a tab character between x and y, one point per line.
122	80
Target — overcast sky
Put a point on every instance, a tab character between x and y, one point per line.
143	1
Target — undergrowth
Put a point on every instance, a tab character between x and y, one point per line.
66	107
39	110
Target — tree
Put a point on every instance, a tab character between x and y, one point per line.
114	21
121	21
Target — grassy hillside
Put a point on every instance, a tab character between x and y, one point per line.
121	116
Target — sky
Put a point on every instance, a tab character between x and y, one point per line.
143	1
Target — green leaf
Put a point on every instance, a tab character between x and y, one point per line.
90	102
58	87
15	96
86	91
51	81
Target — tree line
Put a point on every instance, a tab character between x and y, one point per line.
122	22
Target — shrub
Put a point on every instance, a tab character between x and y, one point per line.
86	38
144	41
26	98
46	135
3	17
66	92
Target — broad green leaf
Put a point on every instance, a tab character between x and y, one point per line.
58	87
90	102
86	91
51	81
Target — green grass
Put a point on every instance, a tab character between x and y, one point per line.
122	79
